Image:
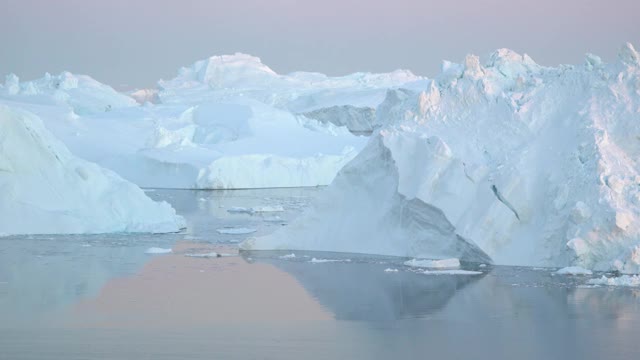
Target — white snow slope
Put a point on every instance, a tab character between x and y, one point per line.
225	122
512	161
44	189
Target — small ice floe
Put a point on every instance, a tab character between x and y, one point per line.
236	231
390	270
435	264
256	209
148	190
202	199
573	270
320	261
157	250
268	209
239	210
483	265
85	245
451	272
288	256
212	254
273	219
624	280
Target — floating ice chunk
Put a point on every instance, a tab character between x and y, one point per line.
288	256
451	272
445	263
390	270
273	219
236	231
264	209
256	209
574	270
157	250
624	280
483	265
212	254
320	261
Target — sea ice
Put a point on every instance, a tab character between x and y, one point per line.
157	250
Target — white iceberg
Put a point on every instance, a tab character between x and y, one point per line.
157	250
507	162
44	189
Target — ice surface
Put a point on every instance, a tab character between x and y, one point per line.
157	250
504	161
574	270
624	280
44	189
445	263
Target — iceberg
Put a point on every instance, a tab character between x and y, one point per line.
227	122
44	189
505	162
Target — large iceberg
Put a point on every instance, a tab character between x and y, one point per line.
44	189
508	161
224	122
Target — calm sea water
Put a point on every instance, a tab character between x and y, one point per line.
85	297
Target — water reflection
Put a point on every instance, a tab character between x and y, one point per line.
40	275
363	291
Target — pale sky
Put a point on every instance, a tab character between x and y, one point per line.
137	42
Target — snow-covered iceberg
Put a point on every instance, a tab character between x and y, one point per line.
44	189
512	161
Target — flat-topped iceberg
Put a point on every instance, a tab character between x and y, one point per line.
508	161
44	189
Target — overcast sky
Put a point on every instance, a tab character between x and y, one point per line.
137	42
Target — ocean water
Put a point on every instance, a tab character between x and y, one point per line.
104	297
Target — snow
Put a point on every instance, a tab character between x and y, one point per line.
624	280
44	189
573	270
451	272
445	263
236	231
157	250
502	161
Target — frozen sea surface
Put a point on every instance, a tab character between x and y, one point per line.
88	297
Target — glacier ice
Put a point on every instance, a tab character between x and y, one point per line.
504	161
221	123
44	189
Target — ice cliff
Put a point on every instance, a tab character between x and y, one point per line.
504	160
